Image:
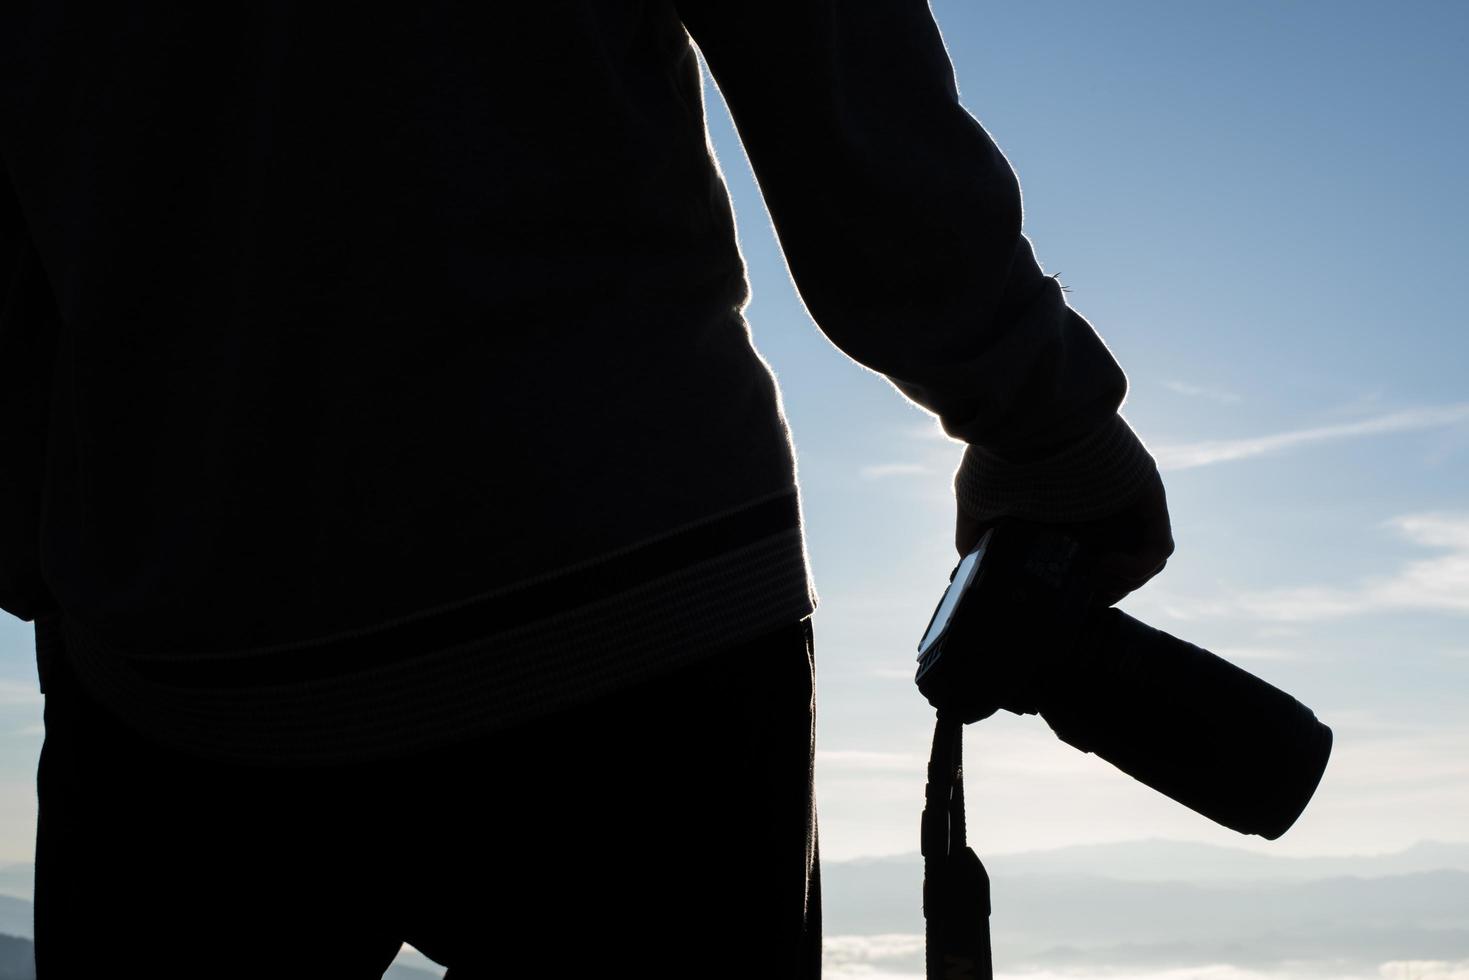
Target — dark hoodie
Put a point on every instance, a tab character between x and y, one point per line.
371	382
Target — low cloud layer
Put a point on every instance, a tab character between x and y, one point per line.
888	958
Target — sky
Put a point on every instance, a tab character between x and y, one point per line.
1259	208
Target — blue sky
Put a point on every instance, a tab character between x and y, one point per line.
1259	208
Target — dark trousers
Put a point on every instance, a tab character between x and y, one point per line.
669	831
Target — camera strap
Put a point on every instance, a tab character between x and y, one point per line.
956	887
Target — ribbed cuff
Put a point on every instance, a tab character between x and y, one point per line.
1091	479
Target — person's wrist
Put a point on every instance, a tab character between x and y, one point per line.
1092	478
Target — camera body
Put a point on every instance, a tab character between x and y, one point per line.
1019	628
1018	610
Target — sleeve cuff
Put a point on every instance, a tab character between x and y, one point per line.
1093	478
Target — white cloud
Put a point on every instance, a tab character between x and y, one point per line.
1208	452
879	470
1210	971
1198	391
1434	529
1307	970
861	956
1439	584
899	956
20	692
1424	970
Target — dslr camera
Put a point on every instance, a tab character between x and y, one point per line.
1019	628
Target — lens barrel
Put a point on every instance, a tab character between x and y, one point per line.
1190	724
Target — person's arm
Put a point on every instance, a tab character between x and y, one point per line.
900	221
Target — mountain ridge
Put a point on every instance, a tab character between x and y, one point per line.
1163	859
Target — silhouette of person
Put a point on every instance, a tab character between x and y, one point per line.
410	528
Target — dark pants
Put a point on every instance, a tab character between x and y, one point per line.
669	831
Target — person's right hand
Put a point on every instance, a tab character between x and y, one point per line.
1130	546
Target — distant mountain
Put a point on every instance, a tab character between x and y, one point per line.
18	879
17	959
17	917
1056	920
1155	859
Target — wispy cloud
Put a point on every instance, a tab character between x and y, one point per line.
1439	584
1205	453
1199	391
878	471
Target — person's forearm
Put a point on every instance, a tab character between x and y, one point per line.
900	220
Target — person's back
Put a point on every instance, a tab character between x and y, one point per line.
377	386
367	316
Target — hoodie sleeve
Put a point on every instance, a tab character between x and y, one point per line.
900	222
27	346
